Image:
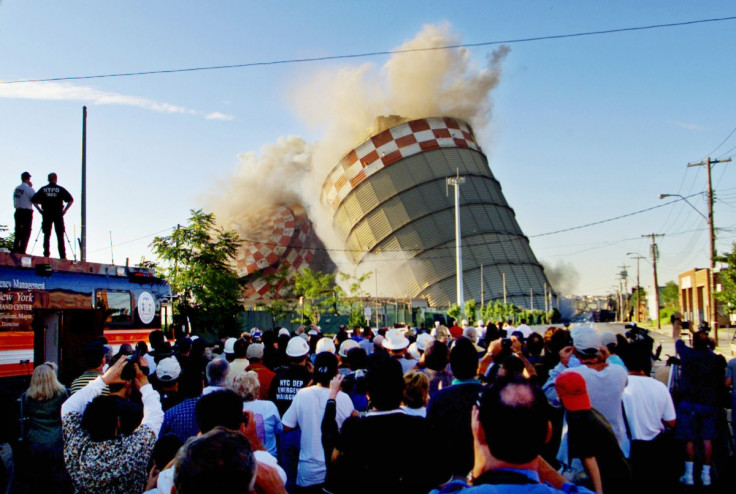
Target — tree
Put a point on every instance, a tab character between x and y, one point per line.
727	279
351	300
198	260
6	240
670	295
454	313
317	294
470	306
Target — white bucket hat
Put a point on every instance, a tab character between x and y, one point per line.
395	340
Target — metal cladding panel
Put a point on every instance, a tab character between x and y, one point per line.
363	200
390	197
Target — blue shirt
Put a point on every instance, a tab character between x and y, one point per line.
181	420
534	487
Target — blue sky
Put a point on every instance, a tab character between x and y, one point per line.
582	129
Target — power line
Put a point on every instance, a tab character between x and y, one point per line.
722	143
375	53
515	236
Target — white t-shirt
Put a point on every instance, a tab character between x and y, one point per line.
605	388
22	196
268	422
526	330
306	411
647	403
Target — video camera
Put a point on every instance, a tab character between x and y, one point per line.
683	324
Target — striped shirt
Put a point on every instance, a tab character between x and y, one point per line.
84	380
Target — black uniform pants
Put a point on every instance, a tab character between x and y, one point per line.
23	226
57	221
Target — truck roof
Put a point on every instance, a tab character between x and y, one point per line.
26	261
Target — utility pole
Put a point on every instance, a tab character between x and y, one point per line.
457	182
546	305
625	291
638	286
83	241
481	289
503	275
712	278
655	254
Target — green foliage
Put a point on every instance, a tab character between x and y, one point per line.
670	295
470	307
317	292
454	312
350	301
666	312
727	280
198	260
6	239
148	264
554	316
498	311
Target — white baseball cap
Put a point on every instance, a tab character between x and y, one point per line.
168	370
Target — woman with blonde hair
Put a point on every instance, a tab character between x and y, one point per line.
416	393
42	415
265	413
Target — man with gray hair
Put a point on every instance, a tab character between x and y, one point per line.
216	372
181	420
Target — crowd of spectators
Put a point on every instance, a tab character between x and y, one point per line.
485	408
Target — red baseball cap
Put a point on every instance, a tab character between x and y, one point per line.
572	391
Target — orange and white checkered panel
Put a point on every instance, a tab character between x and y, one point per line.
390	146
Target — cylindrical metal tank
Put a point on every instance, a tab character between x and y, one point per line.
285	243
389	197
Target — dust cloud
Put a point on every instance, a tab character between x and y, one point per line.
341	104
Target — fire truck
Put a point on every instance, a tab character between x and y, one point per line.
50	308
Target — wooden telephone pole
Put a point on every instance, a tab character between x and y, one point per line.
712	278
655	254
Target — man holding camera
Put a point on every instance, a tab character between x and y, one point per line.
97	457
702	375
605	382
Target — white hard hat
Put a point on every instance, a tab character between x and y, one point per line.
346	346
297	347
230	345
423	340
325	345
414	352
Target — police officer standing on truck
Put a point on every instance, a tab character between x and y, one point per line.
52	197
22	196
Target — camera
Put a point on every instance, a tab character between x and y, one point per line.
506	343
128	372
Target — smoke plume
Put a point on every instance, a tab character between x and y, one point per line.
563	277
342	104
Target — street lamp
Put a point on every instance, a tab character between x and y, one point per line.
663	196
712	276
